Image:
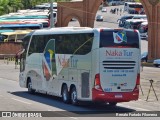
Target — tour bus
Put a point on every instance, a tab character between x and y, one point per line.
44	22
22	26
82	64
2	31
15	36
133	8
25	17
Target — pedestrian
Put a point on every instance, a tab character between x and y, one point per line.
117	11
120	11
18	55
16	60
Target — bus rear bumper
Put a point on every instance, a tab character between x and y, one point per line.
114	96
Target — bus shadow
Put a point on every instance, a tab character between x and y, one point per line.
84	109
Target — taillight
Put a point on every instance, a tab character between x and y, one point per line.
137	82
97	83
135	30
101	30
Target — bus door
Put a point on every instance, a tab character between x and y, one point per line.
119	60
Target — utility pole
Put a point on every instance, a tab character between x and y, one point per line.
51	14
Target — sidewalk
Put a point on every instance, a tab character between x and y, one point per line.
8	71
150	73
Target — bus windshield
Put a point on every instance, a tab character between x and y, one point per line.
114	38
135	6
16	36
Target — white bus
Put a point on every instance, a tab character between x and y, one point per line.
82	64
133	7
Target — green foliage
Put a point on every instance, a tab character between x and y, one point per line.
137	1
7	6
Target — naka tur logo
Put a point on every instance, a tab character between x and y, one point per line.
119	37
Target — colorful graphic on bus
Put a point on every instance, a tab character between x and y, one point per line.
119	37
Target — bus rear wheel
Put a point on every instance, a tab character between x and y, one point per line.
74	100
65	94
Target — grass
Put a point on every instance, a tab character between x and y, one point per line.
147	64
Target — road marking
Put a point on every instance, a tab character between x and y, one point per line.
73	118
133	107
21	101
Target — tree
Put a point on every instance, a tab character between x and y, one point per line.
4	7
7	6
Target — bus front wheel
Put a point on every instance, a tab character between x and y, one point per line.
65	94
74	100
30	90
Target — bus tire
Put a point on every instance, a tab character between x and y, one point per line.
65	94
29	85
112	104
74	100
156	65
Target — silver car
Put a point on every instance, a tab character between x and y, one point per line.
156	62
99	18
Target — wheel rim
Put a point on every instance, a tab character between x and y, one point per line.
65	95
74	96
29	87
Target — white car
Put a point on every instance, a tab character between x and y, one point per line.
104	10
156	62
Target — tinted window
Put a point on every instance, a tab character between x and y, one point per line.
25	43
136	6
115	39
64	43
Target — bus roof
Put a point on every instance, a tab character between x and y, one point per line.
25	17
19	25
133	3
61	30
136	20
6	30
17	32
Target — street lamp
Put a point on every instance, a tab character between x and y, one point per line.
51	14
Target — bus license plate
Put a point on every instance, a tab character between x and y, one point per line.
118	96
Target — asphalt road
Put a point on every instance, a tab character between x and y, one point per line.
14	98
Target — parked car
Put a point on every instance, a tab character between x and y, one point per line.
122	20
143	30
99	18
144	57
156	62
139	17
104	9
133	23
